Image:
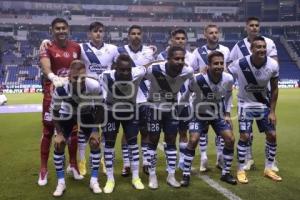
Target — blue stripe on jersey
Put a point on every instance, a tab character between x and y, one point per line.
248	74
122	50
161	79
90	54
182	89
110	83
61	91
203	53
143	86
203	85
241	44
164	54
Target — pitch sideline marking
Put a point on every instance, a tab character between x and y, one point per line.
225	192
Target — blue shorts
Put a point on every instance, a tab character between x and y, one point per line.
128	120
67	125
246	117
200	126
143	110
158	120
184	123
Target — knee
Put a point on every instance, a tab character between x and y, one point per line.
193	142
244	137
229	141
271	137
93	144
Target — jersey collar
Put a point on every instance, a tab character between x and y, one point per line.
95	46
135	51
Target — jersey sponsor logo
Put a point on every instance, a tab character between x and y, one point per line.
254	88
97	68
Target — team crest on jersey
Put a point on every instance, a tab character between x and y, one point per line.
257	73
75	55
215	89
66	55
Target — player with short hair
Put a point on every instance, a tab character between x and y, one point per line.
55	62
179	38
166	78
120	90
243	48
253	74
211	33
68	111
140	55
97	56
211	106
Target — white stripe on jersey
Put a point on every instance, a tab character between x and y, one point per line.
128	90
236	52
262	76
105	56
164	88
216	92
140	58
201	64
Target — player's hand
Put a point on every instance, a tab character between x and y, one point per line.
272	118
57	81
45	45
154	48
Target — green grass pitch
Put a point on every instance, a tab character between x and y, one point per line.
19	152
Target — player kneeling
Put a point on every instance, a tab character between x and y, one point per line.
211	90
68	111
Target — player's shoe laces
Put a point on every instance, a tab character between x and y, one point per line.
82	167
172	181
228	178
137	184
185	181
74	172
94	186
249	165
109	186
59	191
203	165
272	175
242	176
125	171
43	177
153	184
103	165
